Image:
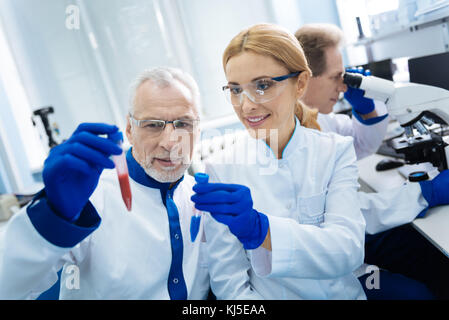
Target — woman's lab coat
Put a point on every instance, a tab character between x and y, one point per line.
386	209
127	257
310	198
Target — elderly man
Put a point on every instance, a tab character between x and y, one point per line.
391	243
79	221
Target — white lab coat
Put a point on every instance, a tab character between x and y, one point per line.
310	198
127	257
367	138
391	208
386	209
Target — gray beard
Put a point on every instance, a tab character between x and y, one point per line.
166	176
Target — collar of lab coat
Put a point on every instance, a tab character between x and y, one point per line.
293	144
138	174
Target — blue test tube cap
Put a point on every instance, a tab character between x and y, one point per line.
116	137
201	177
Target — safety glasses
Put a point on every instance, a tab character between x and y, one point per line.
154	127
258	91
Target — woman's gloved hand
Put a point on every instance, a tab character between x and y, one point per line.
355	97
72	170
232	205
436	191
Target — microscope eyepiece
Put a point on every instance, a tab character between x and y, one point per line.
353	80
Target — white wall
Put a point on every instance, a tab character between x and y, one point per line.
56	67
15	171
319	11
209	26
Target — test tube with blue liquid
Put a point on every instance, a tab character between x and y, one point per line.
196	219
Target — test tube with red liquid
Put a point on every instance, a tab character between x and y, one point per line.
122	170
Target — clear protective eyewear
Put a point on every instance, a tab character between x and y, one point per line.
258	91
154	127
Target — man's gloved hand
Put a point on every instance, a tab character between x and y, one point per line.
232	205
355	97
72	170
436	191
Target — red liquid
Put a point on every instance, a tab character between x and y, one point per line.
126	190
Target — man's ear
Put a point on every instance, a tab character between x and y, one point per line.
129	129
301	83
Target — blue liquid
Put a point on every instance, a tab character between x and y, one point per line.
201	177
195	220
194	227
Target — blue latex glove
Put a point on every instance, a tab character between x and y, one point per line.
436	191
72	170
232	205
355	97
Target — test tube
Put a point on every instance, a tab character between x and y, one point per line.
196	219
122	170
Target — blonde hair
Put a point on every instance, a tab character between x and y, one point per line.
278	43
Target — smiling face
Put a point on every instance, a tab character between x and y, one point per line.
166	156
278	113
323	90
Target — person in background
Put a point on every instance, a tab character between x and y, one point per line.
321	44
79	222
303	241
391	243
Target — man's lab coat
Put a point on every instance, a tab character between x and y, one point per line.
386	209
128	255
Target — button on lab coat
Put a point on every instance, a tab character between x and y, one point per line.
127	257
310	198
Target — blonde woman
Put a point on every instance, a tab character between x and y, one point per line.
300	221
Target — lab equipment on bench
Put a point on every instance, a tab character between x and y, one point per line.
387	164
44	113
122	170
417	176
418	108
431	70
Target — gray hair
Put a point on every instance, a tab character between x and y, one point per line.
164	77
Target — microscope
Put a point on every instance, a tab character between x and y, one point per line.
417	108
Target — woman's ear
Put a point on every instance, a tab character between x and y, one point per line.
301	84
